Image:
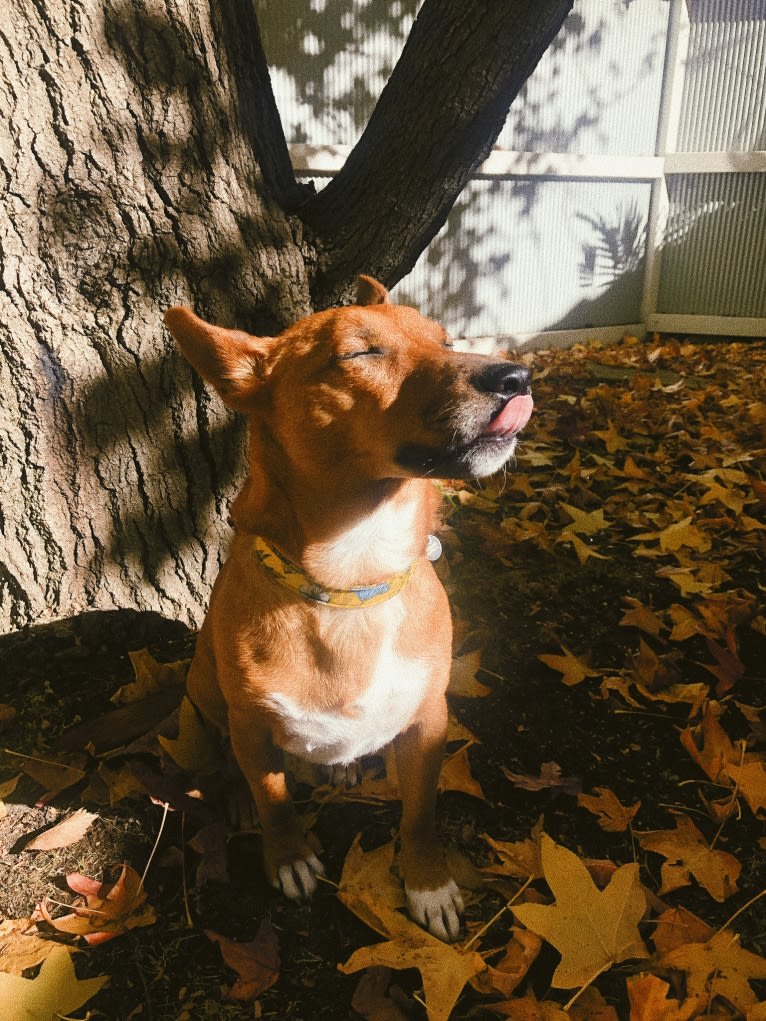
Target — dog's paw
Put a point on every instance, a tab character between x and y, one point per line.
297	879
439	911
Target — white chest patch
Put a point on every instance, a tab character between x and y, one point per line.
382	711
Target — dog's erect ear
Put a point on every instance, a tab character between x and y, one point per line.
230	360
370	292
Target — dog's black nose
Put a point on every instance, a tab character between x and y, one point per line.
503	378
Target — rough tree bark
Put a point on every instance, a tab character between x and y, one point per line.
144	165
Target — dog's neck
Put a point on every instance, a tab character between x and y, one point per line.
343	532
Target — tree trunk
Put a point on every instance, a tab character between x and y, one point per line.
133	184
145	166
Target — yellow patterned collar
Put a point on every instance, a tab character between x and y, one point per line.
293	577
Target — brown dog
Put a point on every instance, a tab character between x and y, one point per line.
328	633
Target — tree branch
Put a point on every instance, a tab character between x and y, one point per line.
435	122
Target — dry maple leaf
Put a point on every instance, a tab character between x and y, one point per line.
677	926
613	816
573	669
688	856
505	975
640	616
463	676
52	994
592	929
370	1000
53	776
150	677
21	946
519	858
68	831
550	778
649	1002
720	967
529	1008
256	963
194	749
369	889
109	911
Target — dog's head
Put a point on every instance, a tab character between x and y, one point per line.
372	387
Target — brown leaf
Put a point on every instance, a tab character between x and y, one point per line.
108	911
550	778
677	926
370	1000
613	816
591	928
506	974
456	775
68	831
641	616
688	856
521	858
150	677
256	963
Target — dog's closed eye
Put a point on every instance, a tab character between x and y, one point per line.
373	351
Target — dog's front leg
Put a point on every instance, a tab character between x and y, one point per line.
433	898
288	859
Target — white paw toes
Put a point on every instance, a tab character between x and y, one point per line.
297	881
439	911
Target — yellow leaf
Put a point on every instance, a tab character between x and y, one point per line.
22	948
592	929
585	522
193	749
640	616
688	856
720	965
463	676
583	550
456	775
573	669
612	438
679	534
53	993
368	888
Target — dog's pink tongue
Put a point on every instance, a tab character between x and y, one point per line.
513	417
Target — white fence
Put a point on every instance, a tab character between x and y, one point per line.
628	187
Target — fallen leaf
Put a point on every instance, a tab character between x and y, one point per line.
256	963
55	777
150	677
649	1002
677	926
506	974
9	786
194	749
68	831
463	677
456	775
585	522
640	616
368	888
53	993
677	535
573	669
529	1008
21	946
613	816
720	967
550	778
592	929
109	911
520	858
370	1000
688	856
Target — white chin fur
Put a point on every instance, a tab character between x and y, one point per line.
490	458
438	911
